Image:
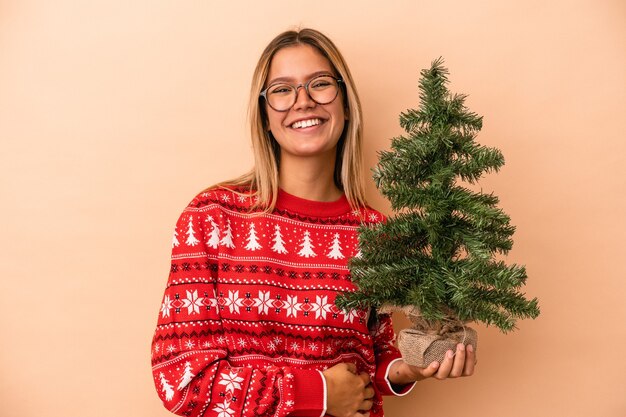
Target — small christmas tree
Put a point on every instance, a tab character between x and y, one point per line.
214	235
175	241
307	246
166	387
187	376
227	240
435	257
191	237
279	243
335	248
253	242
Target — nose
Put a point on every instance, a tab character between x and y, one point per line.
303	99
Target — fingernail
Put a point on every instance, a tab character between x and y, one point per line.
434	365
470	348
449	354
461	347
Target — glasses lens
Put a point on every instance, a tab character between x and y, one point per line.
324	89
281	96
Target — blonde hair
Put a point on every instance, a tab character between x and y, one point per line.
262	180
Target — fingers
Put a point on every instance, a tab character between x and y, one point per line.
446	366
459	361
457	364
364	377
368	395
429	371
351	367
366	405
470	361
350	392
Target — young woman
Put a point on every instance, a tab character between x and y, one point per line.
248	324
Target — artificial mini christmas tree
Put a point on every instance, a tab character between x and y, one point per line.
434	258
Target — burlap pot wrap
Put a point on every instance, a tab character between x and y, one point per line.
428	342
420	348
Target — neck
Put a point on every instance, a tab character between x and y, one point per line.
309	178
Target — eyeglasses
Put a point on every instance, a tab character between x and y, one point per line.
282	96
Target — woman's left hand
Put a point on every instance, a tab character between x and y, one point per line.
455	365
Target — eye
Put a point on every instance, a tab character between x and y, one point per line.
281	89
321	83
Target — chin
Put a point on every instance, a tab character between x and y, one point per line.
302	152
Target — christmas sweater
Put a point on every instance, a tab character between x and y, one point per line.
248	320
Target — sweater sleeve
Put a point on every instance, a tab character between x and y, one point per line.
194	369
386	353
385	350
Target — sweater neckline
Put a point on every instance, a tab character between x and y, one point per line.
312	208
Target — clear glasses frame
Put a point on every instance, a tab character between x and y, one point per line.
295	89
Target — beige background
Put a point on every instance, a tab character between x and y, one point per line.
114	114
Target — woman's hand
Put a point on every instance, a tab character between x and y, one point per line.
349	394
454	365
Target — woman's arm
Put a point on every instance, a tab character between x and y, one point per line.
195	371
387	357
455	364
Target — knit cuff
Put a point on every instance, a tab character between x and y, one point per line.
398	390
309	392
382	376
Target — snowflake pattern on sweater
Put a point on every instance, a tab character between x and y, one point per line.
248	320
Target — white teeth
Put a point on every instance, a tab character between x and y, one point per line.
306	123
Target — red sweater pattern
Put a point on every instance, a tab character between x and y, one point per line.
248	320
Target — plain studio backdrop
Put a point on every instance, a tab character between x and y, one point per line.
113	115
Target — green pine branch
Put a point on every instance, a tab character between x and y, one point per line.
437	252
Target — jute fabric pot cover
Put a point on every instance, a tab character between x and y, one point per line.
427	342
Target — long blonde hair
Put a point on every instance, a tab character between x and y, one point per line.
262	180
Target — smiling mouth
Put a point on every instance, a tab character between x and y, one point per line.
300	124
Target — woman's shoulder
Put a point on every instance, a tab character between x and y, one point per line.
369	216
235	198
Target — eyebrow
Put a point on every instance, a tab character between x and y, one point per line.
309	77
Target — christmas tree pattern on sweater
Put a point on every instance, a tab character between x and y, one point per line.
248	319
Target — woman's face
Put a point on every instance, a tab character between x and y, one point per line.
325	122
